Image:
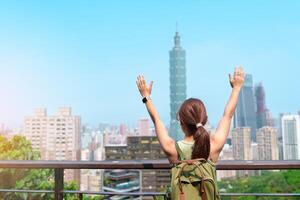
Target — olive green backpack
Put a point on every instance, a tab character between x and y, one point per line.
193	179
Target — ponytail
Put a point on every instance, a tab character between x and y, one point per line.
201	147
192	116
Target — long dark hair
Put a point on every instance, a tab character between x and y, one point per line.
192	117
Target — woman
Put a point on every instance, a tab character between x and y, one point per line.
197	142
192	117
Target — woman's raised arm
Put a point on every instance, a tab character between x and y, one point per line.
218	140
164	139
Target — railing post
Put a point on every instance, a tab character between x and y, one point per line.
58	184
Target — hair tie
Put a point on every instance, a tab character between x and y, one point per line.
199	125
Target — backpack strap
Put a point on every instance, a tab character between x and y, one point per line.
202	191
179	152
191	161
201	185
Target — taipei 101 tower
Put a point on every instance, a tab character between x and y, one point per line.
177	85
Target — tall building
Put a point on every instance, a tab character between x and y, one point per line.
120	180
177	85
112	137
55	137
148	147
290	129
241	143
241	146
226	154
261	117
267	143
90	179
254	148
144	127
279	136
122	129
270	120
137	148
86	137
245	115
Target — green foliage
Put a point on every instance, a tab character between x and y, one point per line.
98	197
18	148
71	186
39	179
268	182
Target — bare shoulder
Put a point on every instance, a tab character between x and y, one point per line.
172	152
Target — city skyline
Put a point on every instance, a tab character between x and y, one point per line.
69	98
88	55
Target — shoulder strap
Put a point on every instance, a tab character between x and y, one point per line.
180	153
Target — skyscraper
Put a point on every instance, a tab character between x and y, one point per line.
137	148
122	129
261	117
144	127
56	137
241	143
245	115
226	154
144	148
241	147
280	140
290	129
177	85
267	143
120	180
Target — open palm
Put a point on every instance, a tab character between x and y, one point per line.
144	89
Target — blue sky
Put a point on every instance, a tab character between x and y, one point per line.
87	54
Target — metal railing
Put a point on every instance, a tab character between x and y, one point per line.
60	166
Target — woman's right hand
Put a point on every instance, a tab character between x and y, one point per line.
237	80
222	131
144	89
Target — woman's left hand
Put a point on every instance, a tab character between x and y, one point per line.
144	89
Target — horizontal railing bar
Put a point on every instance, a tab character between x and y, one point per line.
148	164
144	193
85	192
25	191
263	194
162	194
116	193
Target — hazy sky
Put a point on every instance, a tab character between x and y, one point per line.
87	54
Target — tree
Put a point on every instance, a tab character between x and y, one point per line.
268	182
18	148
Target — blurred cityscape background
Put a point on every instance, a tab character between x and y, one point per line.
87	55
